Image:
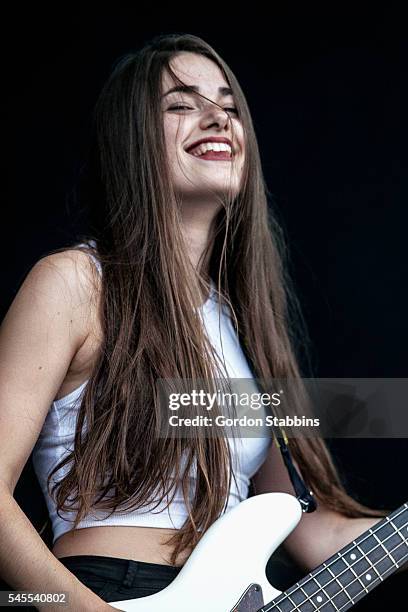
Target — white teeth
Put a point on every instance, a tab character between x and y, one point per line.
210	146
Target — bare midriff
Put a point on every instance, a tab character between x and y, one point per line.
146	544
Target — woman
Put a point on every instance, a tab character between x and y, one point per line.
176	228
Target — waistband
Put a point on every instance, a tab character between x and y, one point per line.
124	571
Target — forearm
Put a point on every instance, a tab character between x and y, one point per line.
349	529
27	564
335	531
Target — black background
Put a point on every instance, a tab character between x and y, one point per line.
328	95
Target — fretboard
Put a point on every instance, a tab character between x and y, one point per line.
351	573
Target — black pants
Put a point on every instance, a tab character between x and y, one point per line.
114	579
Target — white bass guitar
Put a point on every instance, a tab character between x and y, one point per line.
226	570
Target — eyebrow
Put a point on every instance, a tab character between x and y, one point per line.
224	91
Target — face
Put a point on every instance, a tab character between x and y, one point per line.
189	118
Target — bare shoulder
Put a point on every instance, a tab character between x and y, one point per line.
69	275
63	284
71	268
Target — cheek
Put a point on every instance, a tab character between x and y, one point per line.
240	136
173	131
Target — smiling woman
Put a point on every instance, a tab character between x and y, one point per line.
181	276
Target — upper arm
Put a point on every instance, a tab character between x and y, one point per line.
272	475
44	327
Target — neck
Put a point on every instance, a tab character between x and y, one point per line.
196	228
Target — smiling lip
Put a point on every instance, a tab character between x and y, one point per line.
210	139
214	156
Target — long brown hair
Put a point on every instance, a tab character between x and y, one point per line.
150	329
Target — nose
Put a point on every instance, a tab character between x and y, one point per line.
215	116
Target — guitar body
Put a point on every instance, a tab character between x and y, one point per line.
230	557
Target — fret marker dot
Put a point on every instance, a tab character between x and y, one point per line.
353	556
319	599
368	577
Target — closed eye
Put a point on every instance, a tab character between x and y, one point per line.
232	109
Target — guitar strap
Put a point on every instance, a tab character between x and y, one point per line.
304	496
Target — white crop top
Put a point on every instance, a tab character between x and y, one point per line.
57	436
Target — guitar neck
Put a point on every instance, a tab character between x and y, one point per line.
351	573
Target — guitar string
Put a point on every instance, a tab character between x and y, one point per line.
308	597
320	605
371	583
343	587
351	546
